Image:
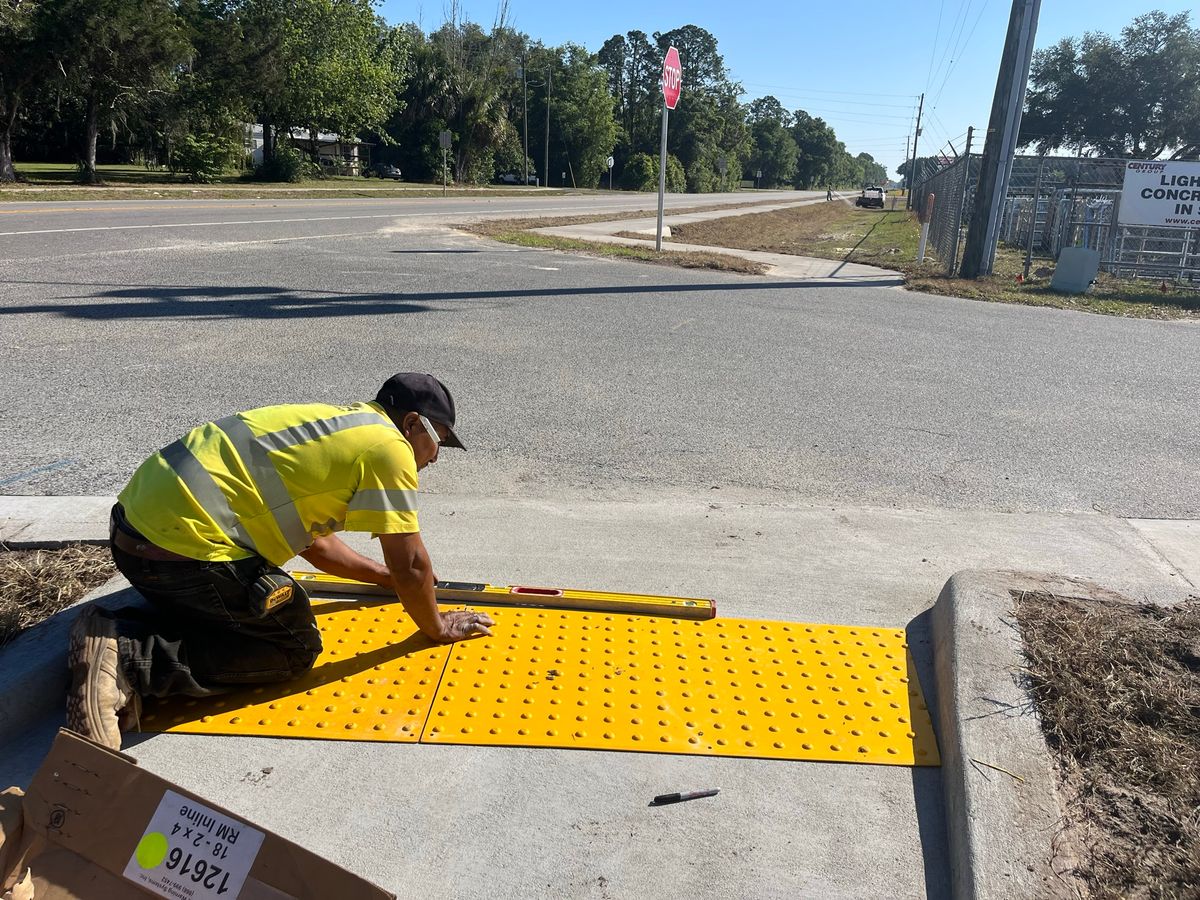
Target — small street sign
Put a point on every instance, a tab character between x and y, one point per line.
672	78
610	162
444	140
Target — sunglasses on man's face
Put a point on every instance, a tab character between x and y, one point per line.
430	430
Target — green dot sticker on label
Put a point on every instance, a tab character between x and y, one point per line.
151	850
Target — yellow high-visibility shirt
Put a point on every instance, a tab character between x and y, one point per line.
270	480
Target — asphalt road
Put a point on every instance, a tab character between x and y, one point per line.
124	324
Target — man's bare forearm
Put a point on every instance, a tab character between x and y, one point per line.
412	579
331	554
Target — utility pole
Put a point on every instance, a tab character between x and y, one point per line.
525	117
916	138
907	166
546	160
1001	142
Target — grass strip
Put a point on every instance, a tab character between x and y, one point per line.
36	584
1117	686
684	259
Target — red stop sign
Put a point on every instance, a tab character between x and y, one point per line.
672	78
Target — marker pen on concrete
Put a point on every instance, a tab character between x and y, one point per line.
664	799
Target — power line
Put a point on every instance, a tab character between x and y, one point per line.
789	87
933	50
802	96
951	38
867	116
966	43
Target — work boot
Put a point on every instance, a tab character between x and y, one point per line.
101	703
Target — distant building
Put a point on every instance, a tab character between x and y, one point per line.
335	154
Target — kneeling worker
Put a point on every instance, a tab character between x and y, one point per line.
204	525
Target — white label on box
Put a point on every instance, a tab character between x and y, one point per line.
191	852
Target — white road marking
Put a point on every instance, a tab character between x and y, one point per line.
195	245
546	268
397	214
200	225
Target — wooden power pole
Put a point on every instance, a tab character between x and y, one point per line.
1001	142
913	171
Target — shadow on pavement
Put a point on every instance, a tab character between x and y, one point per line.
174	301
927	786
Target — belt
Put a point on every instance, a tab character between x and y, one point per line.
143	549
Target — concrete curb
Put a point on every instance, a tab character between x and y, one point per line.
46	523
1002	809
33	668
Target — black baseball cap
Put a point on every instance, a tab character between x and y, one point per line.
407	392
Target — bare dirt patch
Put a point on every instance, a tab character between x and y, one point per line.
36	584
1117	686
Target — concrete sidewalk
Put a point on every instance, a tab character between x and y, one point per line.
487	822
782	265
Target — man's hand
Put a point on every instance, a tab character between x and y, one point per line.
460	624
412	577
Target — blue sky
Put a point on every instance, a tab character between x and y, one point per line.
860	66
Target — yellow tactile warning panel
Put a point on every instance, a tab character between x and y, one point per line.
725	687
375	680
592	680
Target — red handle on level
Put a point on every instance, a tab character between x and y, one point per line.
536	591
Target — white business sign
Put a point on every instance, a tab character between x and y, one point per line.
1162	194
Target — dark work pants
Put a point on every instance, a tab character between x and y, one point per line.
199	636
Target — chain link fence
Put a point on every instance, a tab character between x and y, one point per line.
953	191
1055	202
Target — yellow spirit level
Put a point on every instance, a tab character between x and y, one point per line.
517	595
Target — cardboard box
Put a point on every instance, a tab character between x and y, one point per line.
94	825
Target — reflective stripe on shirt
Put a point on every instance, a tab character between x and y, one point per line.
207	493
270	485
253	451
310	431
377	500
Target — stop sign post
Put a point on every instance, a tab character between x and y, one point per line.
671	83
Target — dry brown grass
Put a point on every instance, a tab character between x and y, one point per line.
36	584
1117	686
824	230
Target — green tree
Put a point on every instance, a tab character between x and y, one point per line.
582	116
24	61
641	174
768	109
873	172
319	65
1134	97
633	64
817	151
117	55
774	153
708	123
